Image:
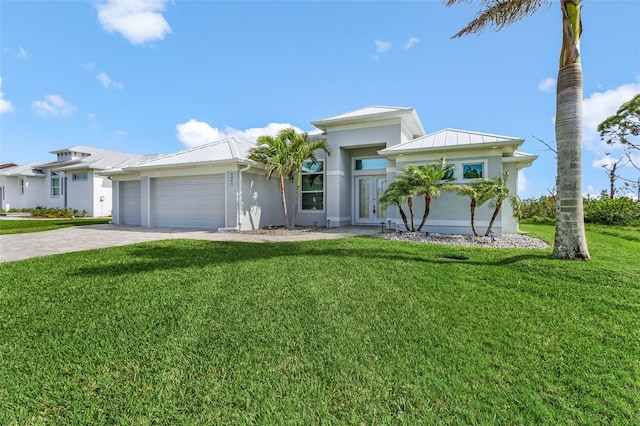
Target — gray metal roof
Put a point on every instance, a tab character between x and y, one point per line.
452	139
374	113
97	159
230	150
31	169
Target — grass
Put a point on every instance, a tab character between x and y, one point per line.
13	226
353	331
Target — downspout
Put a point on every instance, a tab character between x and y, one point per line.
238	227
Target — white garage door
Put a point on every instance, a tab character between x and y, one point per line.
129	203
188	202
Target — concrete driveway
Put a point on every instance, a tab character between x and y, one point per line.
78	238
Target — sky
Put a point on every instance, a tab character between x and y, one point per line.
149	77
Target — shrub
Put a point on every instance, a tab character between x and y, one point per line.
607	211
54	212
543	207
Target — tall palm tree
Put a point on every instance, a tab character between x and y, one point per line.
396	195
496	188
301	151
570	240
432	178
274	154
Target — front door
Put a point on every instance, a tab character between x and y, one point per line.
369	189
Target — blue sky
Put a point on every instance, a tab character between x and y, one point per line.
156	77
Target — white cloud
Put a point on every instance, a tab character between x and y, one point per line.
522	183
91	116
194	132
90	66
53	105
382	46
547	85
411	42
600	105
22	54
5	105
108	82
139	21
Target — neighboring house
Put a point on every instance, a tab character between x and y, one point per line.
69	182
22	186
215	186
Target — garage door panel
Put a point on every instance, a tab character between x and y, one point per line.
129	203
188	202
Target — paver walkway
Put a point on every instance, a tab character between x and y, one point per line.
78	238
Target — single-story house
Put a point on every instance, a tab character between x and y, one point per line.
216	186
71	181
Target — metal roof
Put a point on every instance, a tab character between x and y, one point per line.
31	169
230	150
374	113
97	159
452	139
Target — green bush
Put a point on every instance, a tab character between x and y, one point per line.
54	212
543	207
607	211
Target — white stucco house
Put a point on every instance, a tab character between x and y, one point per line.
216	186
71	181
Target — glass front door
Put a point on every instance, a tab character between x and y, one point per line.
369	189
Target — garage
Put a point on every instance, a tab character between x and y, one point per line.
188	202
129	203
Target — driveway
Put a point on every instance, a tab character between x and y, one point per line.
78	238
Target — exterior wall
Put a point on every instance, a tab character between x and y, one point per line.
260	201
509	222
80	193
450	213
102	200
339	177
50	200
33	192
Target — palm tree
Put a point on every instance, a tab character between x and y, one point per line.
274	153
497	189
301	151
396	195
477	195
570	240
432	178
410	178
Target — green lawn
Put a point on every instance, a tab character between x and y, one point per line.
353	331
19	226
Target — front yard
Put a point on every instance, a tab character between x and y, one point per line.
353	331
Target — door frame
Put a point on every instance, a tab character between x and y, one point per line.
374	205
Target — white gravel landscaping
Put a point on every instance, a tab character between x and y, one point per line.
505	241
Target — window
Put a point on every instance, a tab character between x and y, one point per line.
21	186
312	193
55	184
473	171
371	164
79	176
2	193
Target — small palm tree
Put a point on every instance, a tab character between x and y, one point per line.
432	178
274	153
301	150
496	188
477	196
396	195
410	179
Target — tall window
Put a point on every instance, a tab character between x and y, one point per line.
312	186
2	192
55	184
21	186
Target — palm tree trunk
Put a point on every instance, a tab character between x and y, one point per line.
473	217
403	215
570	240
284	202
296	204
410	203
427	208
493	218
